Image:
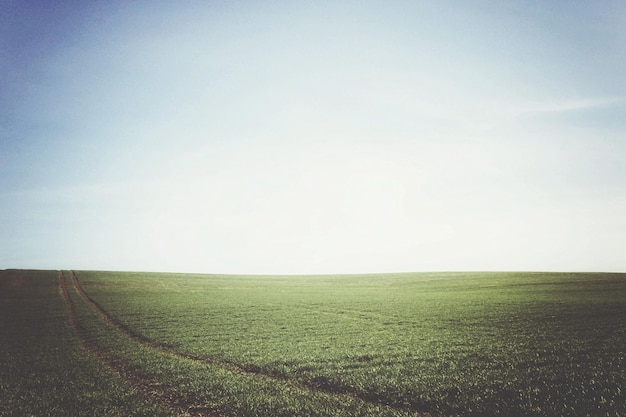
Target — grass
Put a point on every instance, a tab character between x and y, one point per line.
449	344
44	371
192	386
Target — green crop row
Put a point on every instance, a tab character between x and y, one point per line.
455	344
449	344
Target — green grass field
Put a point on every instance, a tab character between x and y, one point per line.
423	344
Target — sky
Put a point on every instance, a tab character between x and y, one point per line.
282	137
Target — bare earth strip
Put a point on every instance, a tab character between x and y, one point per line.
166	398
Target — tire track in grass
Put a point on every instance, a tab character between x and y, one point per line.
151	388
231	366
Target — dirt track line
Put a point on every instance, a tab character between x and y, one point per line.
143	340
230	366
149	387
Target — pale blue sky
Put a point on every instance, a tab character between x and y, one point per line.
313	137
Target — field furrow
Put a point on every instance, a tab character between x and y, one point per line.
165	374
231	366
148	386
45	369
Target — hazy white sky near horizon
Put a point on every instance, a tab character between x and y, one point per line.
313	137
